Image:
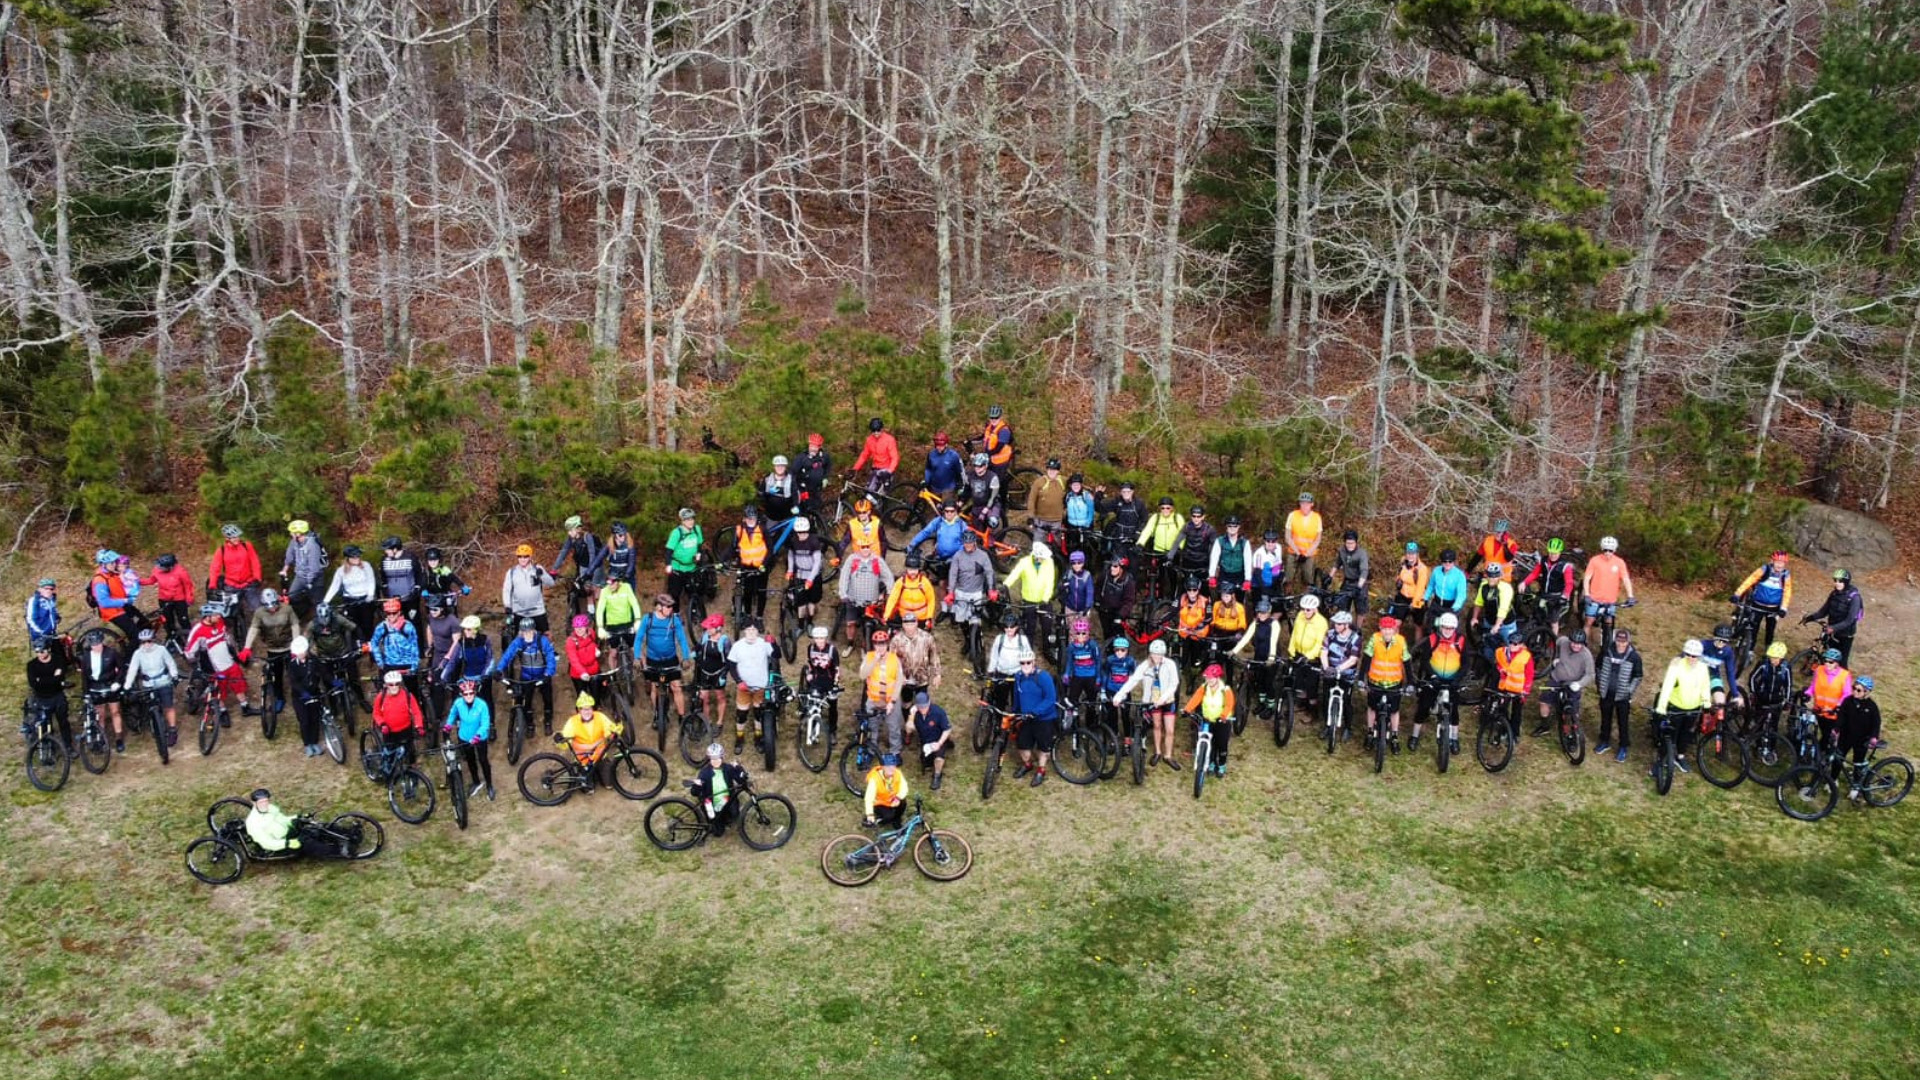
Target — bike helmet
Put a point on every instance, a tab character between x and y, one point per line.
215	610
1863	683
1350	534
1492	570
686	513
298	646
1448	555
915	562
526	625
1309	602
1196	510
1556	545
352	551
584	701
322	612
620	527
1342	618
1166	502
969	539
1780	555
92	638
1264	607
469	685
1009	620
875	424
298	527
104	557
1194	584
940	438
716	751
663	600
230	531
750	512
713	622
892	761
1126	485
1578	637
1214	671
1158	648
573	521
523	551
581	622
1041	551
1413	548
818	633
1053	463
147	635
979	460
1388	622
1076	478
995	412
269	597
1831	656
392	678
1270	534
1512	636
1121	643
1777	651
1078	558
863	506
42	644
471	622
949	507
1448	621
1844	577
881	637
260	793
1723	632
1080	626
1692	648
164	562
1608	543
815	442
391	605
434	554
48	583
436	602
391	543
802	526
780	461
1228	589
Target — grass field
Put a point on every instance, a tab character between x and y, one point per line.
1307	919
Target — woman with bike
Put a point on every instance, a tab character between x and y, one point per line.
470	656
1443	657
1839	617
397	716
1308	642
47	690
811	472
712	669
439	580
1387	658
1230	560
175	587
1688	689
617	615
1115	600
1858	729
753	660
686	547
1080	666
537	665
1077	588
1770	590
1829	687
306	685
1618	675
716	789
395	646
1267	637
1033	581
1769	689
1226	623
1158	680
806	569
1410	588
352	591
777	495
151	666
583	657
1268	567
588	732
1212	704
1193	623
1340	662
821	671
1081	508
101	672
470	723
1725	660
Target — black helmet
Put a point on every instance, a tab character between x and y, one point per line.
436	601
619	529
1723	632
1448	555
914	562
1076	478
352	551
434	554
1194	584
166	562
750	511
875	424
1351	534
526	625
1233	519
391	543
1197	510
1228	588
1010	620
1270	534
1053	463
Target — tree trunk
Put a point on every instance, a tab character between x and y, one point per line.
1303	225
1282	190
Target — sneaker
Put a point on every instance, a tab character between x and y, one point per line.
1681	763
1025	768
1539	730
936	781
119	746
1393	743
474	788
1413	744
1155	759
1853	795
226	719
26	730
1605	745
173	736
1453	746
1220	770
489	792
739	745
1621	757
1039	778
248	710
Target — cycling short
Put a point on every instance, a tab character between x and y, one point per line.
1036	735
703	680
662	671
1383	698
1595	610
231	681
162	696
809	594
746	697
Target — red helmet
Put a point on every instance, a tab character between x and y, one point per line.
1388	622
939	438
815	442
391	606
880	637
1214	671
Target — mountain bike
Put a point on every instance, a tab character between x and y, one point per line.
1384	701
213	716
1721	753
409	792
1666	738
340	699
452	760
696	733
549	778
983	717
139	713
788	632
855	859
1772	754
1446	717
1811	791
773	702
91	744
1006	732
1003	544
1746	618
676	823
1080	751
1334	709
520	720
1499	722
1202	751
860	755
1567	729
48	759
273	676
616	672
1274	701
814	734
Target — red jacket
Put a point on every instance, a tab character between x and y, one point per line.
175	584
237	562
583	656
881	450
397	713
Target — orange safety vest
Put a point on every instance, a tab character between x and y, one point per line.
1513	669
751	545
918	598
1388	664
1304	531
1495	550
1413	583
864	536
116	590
883	682
1193	618
886	792
999	452
1828	689
1229	619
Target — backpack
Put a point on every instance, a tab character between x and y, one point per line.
93	604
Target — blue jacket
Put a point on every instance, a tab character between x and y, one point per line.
1081	661
1076	591
537	661
1725	665
946	536
1448	587
662	640
1035	695
470	719
43	616
943	470
1115	671
396	648
472	658
1080	509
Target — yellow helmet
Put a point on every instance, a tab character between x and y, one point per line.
1777	651
471	622
584	701
523	549
298	527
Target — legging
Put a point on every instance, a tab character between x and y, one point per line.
1222	735
307	712
480	760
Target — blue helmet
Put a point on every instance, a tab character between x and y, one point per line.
890	759
1121	643
1864	682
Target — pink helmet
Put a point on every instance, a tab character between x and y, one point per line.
581	622
1080	626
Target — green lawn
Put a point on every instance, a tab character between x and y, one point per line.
1306	919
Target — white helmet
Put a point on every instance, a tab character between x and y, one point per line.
1692	647
1309	602
778	459
298	646
1609	543
1040	550
1447	621
818	633
1342	618
1158	648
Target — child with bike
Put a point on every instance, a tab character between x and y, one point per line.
1212	704
470	724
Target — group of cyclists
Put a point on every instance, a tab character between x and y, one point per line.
1203	602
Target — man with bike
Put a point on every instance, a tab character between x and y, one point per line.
1570	672
1303	528
934	734
306	685
533	652
273	829
685	550
305	562
523	592
1047	501
352	591
1158	680
996	441
969	580
1230	560
1156	542
806	569
820	670
1513	670
912	594
1115	598
1355	570
752	662
1036	698
948	532
1212	704
1618	675
1840	615
470	724
1688	688
336	643
274	626
589	560
43	611
1194	544
401	576
47	689
717	788
862	533
810	473
1387	657
1492	606
441	583
865	580
919	658
1125	514
1605	580
880	673
1857	725
1266	636
617	615
397	716
1443	657
661	647
1770	590
108	591
983	494
101	672
588	732
210	639
235	567
152	667
1410	578
944	468
1447	586
1559	582
882	453
885	801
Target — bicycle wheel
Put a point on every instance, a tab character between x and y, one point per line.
370	763
1077	757
694	737
1283	719
675	824
1722	757
347	719
983	727
850	860
1770	756
1020	480
365	836
1493	745
1806	794
209	731
96	753
1016	539
517	734
789	632
1330	728
1443	746
638	774
330	739
1663	765
1109	751
1802	664
767	822
812	743
1202	762
226	812
943	855
269	720
411	796
457	796
48	762
1139	754
1379	743
769	737
990	776
214	861
547	779
1573	742
855	762
1887	782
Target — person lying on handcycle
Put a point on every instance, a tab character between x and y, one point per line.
273	829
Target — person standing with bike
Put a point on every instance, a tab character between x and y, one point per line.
750	551
948	532
1769	690
1304	529
617	615
712	669
983	494
1268	566
1080	667
101	672
1770	590
1116	597
336	643
1829	687
1387	658
441	583
776	491
1409	601
235	567
537	664
865	580
753	660
1193	546
1840	615
523	592
211	638
1212	704
996	441
152	667
912	594
1307	641
1447	586
175	588
1724	659
1514	671
1688	688
934	733
944	468
306	685
1081	509
1078	589
686	547
43	611
443	627
1350	562
822	672
1267	637
396	715
588	732
1571	670
300	571
919	658
1443	656
1617	677
1125	514
274	626
806	569
468	656
395	645
1605	580
401	577
882	452
1858	727
589	562
810	474
1231	558
1158	680
352	592
1037	699
623	559
1559	581
470	723
108	594
47	690
1047	501
880	671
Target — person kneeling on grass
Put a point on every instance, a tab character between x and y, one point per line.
588	732
886	799
273	829
718	788
935	734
